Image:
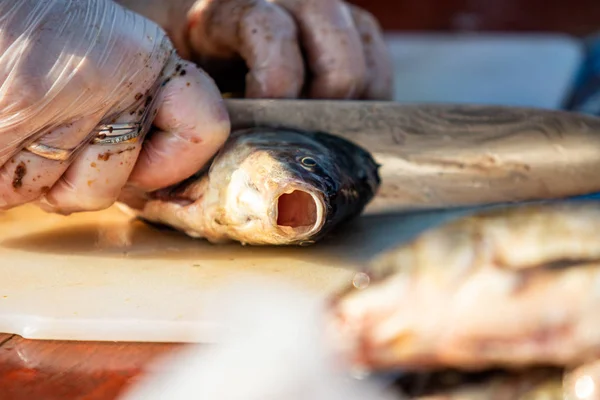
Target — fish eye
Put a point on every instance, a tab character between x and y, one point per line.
308	162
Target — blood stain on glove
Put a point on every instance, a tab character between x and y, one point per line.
20	172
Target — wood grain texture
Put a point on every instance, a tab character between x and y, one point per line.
53	370
577	17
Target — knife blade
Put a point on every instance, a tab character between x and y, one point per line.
451	155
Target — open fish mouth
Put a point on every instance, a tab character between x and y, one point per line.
299	213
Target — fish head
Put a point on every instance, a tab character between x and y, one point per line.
289	186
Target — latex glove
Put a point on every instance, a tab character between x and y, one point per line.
344	51
68	66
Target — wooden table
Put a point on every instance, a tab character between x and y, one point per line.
53	370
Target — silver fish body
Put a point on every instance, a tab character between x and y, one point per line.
269	187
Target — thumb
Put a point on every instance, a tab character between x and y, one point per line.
191	125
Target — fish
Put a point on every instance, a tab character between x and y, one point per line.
528	384
505	287
537	383
268	186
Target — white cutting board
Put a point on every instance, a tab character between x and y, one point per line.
98	276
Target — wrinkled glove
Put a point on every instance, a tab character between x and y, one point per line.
67	67
279	48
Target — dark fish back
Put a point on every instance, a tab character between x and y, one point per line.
353	186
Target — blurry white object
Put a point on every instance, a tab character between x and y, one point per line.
500	69
273	348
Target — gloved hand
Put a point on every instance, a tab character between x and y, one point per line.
344	57
68	66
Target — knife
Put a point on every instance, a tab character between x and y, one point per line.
451	155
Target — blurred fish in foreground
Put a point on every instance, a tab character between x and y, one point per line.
510	287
